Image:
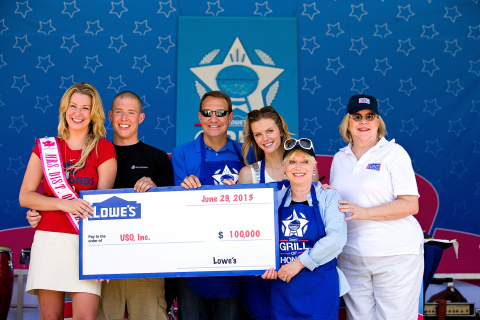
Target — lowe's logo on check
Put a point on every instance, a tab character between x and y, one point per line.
116	208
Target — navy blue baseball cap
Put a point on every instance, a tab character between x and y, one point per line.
361	102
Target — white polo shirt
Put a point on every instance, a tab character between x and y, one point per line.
382	173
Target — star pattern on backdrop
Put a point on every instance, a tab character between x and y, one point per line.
415	167
1	103
43	104
23	8
310	45
311	84
335	105
46	27
452	13
452	47
21	43
477	147
358	12
334	30
334	65
310	10
164	124
92	63
214	8
141	63
359	85
431	106
456	127
166	8
141	27
438	186
382	66
4	27
93	27
460	210
476	107
116	83
475	67
474	32
408	127
69	43
405	46
429	32
164	83
14	208
2	63
430	67
117	43
336	145
70	8
145	104
454	87
262	9
407	86
382	31
358	45
458	168
118	8
20	83
165	43
405	12
18	123
67	82
433	147
311	125
44	63
384	106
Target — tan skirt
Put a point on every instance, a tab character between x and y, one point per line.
54	265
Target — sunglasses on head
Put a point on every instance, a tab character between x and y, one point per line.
358	117
255	113
219	113
304	143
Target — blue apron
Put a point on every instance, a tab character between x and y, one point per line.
310	294
212	173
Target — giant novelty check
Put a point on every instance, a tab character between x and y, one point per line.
173	232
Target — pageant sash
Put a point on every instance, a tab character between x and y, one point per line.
53	170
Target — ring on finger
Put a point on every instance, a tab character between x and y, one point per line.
284	279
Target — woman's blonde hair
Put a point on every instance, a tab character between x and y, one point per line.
292	154
347	136
249	139
96	127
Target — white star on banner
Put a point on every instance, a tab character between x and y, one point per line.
92	63
142	63
358	12
474	32
382	31
330	32
43	104
72	42
311	125
408	86
311	84
47	30
262	9
21	84
14	206
168	43
119	44
336	145
311	11
384	106
118	8
474	67
458	168
143	28
215	7
408	127
430	67
4	27
67	82
449	13
307	45
358	45
382	66
431	106
402	12
94	26
116	83
164	83
164	124
2	63
168	9
454	87
460	210
145	104
456	127
72	8
334	65
403	46
429	32
44	63
433	147
335	105
21	43
23	8
452	45
18	123
476	107
359	85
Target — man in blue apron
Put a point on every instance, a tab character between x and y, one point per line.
208	160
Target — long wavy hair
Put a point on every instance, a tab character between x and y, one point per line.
96	127
249	139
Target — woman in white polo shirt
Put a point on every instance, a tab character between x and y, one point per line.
383	257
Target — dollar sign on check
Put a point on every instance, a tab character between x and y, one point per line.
220	235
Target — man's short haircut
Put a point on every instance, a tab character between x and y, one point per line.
128	94
217	94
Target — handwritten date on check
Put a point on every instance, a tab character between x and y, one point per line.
174	232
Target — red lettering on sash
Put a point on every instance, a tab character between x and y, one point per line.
54	174
60	187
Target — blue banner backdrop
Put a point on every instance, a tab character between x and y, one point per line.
421	59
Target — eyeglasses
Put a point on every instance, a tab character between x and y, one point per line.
304	143
255	113
358	117
219	113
